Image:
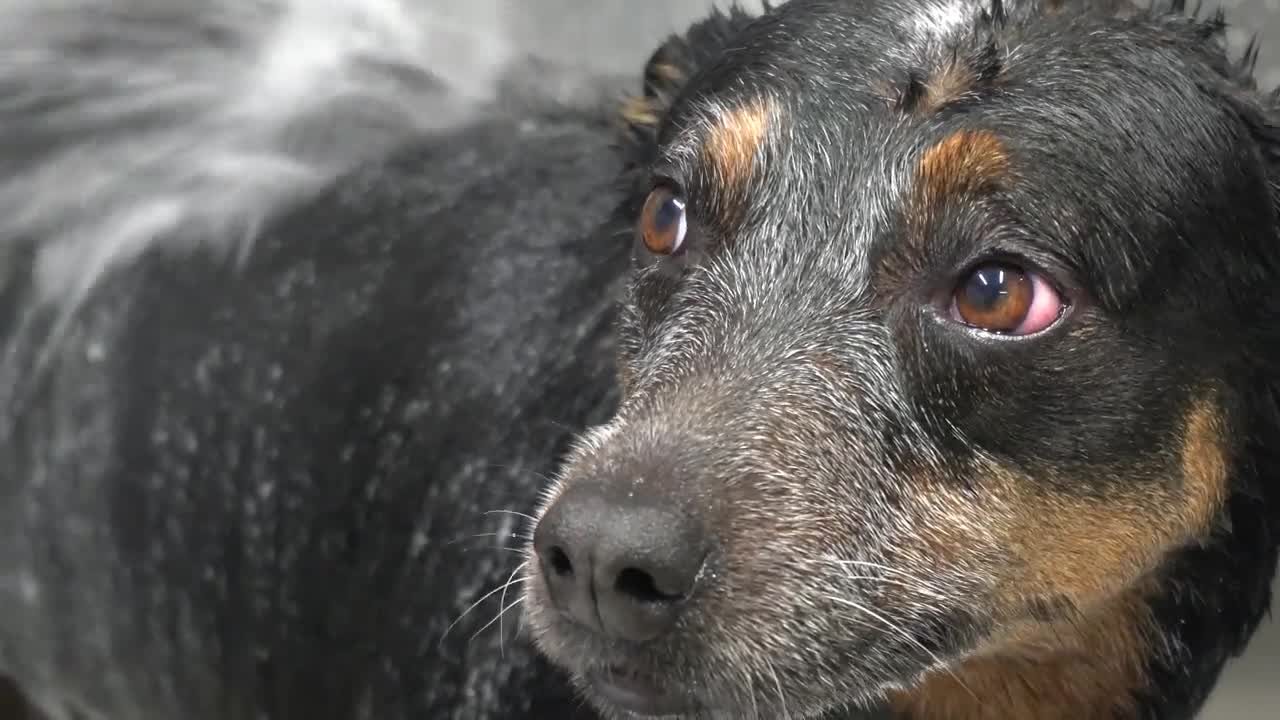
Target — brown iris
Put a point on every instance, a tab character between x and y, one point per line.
662	221
995	298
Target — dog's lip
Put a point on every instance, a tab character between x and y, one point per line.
638	692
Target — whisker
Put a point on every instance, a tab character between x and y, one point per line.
880	566
895	628
530	518
563	426
517	536
501	612
900	583
471	607
502	600
919	581
518	551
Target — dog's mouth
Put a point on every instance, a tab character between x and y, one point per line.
638	692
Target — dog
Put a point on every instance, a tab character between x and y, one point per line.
930	401
907	360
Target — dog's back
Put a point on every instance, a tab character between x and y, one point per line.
266	489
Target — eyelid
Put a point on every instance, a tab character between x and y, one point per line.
1029	250
1029	260
667	181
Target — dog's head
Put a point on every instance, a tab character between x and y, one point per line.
944	340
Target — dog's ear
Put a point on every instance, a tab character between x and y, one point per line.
1229	78
671	66
1258	110
1236	84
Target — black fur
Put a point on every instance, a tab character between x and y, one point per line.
1142	185
278	494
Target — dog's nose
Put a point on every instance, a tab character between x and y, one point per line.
620	563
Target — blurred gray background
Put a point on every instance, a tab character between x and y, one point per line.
1250	689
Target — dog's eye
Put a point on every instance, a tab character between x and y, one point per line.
662	222
1004	299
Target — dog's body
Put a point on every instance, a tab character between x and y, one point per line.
252	474
263	489
282	482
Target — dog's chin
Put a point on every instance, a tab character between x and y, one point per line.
622	693
619	681
626	681
634	683
625	691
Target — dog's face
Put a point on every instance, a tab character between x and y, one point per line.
932	352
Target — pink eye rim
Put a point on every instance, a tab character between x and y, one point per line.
1026	304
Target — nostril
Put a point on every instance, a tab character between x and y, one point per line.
559	563
620	564
640	585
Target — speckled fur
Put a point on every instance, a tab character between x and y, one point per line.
902	508
267	490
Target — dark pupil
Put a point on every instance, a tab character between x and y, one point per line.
989	287
668	214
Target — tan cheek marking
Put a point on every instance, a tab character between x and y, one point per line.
1205	466
1086	549
1098	555
1084	667
734	141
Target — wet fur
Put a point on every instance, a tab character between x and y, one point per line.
269	484
211	200
269	489
1078	525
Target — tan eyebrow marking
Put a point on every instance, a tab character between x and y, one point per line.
734	140
964	162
